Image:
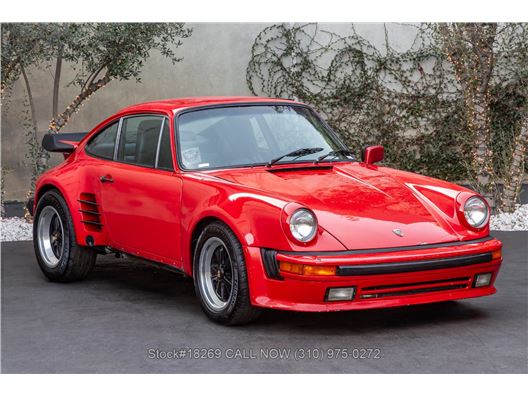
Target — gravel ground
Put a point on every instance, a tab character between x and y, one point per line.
17	229
516	221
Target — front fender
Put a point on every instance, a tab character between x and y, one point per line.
254	217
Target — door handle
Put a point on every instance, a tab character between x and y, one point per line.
106	179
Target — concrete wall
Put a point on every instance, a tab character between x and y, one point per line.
215	61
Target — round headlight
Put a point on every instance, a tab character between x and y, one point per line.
476	212
303	225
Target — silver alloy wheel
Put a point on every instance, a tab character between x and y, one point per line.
50	234
215	274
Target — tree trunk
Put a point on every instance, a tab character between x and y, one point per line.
34	130
34	124
56	84
60	120
478	118
512	185
469	48
31	102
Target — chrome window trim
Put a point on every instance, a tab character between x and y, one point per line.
118	138
159	142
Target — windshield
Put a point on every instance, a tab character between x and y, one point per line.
250	135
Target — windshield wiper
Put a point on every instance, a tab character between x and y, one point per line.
343	152
296	153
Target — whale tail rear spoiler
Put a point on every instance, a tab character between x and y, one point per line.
62	142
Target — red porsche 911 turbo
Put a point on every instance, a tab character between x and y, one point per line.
262	204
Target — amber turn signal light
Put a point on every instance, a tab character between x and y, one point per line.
309	270
497	254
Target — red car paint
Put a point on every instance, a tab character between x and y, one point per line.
153	213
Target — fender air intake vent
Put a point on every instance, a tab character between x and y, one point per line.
90	212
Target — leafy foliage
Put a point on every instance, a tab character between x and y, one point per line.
22	45
101	52
98	53
120	49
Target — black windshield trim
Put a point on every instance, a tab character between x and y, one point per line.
335	138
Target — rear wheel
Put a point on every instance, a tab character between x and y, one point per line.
58	255
220	276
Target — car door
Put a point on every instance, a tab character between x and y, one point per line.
141	192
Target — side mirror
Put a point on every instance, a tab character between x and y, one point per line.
372	154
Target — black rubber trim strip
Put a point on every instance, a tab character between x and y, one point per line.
299	168
271	266
96	223
369	296
387	250
395	286
89	212
88	202
413	266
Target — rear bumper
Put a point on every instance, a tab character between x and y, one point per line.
386	278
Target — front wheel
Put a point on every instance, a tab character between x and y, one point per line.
220	276
58	255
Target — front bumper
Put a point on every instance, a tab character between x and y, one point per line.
382	277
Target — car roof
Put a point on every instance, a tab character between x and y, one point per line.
185	103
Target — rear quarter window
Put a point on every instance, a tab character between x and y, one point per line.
103	144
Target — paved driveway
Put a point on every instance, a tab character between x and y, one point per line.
128	317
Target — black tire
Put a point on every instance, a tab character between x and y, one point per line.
238	309
75	262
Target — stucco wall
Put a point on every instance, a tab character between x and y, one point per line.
215	61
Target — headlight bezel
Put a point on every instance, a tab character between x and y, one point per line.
467	199
287	212
298	219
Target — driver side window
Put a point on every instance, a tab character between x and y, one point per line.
138	140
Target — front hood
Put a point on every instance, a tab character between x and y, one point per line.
363	207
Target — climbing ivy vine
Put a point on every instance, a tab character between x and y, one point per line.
409	101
